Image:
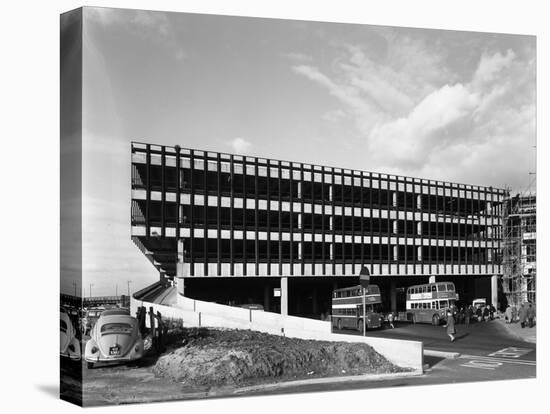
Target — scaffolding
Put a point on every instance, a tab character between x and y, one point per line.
519	265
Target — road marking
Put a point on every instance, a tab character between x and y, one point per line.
511	352
502	360
490	365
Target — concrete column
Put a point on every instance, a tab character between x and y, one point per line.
299	189
393	297
395	252
419	228
418	201
180	273
394	198
299	250
494	291
419	253
267	297
284	295
394	225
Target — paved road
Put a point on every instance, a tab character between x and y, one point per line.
481	338
167	297
487	353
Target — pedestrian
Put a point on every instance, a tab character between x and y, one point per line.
479	314
461	315
451	331
390	320
531	315
514	314
468	315
522	315
508	314
486	313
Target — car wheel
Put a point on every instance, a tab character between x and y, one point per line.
90	365
435	320
339	324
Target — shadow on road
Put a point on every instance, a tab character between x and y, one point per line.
461	336
430	361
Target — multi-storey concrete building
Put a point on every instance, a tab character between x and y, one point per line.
240	229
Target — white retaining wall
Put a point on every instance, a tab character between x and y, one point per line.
195	313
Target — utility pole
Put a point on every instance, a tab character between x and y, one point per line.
116	289
74	284
129	281
91	284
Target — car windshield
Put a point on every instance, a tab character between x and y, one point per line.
116	328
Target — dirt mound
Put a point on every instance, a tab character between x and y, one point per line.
238	357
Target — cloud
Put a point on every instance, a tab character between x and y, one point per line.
152	26
240	145
490	66
297	57
421	116
334	116
409	141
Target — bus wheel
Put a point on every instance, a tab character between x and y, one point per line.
435	320
339	324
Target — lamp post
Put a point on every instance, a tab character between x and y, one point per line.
129	281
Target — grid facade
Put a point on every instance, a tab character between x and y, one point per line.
250	216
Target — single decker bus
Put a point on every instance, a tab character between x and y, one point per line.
429	303
347	307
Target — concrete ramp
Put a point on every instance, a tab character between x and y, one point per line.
196	313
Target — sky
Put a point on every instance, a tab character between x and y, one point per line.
445	105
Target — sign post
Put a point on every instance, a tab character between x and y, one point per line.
364	314
364	279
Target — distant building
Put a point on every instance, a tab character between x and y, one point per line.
238	229
519	253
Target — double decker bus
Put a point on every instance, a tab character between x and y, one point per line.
347	307
429	303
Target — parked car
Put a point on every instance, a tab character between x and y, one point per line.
115	337
69	346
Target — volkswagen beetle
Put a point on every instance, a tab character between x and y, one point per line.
115	337
69	346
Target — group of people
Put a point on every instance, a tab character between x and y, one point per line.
525	315
466	314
